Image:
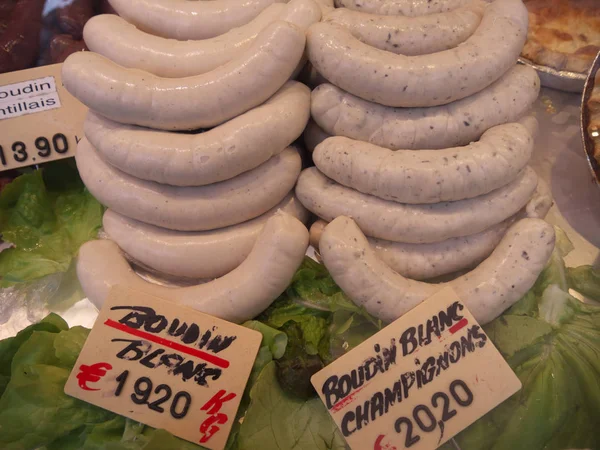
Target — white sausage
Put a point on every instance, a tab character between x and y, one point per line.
184	19
426	261
411	8
230	149
413	223
410	36
113	37
495	285
424	80
140	98
326	6
199	255
238	296
341	114
313	135
190	208
428	176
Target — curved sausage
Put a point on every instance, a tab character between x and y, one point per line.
428	176
415	224
139	98
72	18
397	80
238	296
184	19
426	261
190	208
113	37
411	8
237	146
411	36
62	46
460	123
20	41
313	136
495	285
198	255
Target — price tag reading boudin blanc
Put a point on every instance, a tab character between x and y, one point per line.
419	381
165	365
39	120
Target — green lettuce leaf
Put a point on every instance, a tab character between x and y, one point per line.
278	421
585	280
555	351
47	214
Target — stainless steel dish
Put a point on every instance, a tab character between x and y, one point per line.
588	140
557	79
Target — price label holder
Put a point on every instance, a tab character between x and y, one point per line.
165	365
39	120
419	381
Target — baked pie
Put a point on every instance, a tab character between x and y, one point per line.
563	34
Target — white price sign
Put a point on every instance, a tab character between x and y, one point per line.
419	381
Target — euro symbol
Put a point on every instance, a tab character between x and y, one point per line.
92	374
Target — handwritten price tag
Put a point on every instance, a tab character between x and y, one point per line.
39	120
165	365
419	381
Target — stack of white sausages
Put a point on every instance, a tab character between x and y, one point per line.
188	142
421	143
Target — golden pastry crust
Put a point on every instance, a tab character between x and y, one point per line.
563	34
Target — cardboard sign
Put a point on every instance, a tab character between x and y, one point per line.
419	381
39	120
165	365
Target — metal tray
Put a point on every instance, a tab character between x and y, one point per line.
558	79
588	144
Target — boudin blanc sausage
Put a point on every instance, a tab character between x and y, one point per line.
199	254
183	19
428	176
190	208
426	261
411	8
223	152
240	295
139	98
460	123
414	223
113	37
397	80
411	36
494	286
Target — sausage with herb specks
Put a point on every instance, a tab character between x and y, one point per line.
425	80
460	123
411	36
414	223
428	176
495	285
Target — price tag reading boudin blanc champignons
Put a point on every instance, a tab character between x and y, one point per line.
39	120
419	381
165	365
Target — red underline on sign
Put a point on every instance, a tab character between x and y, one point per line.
216	360
458	326
347	399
